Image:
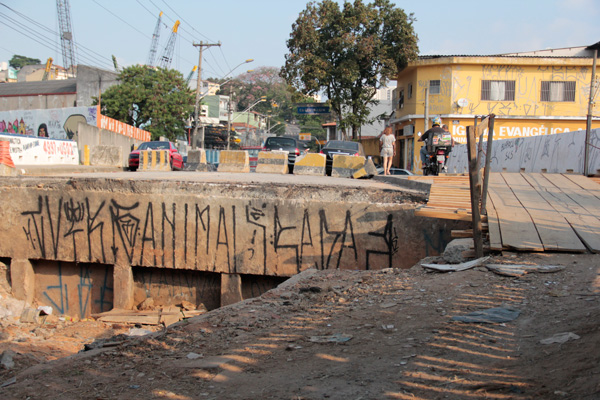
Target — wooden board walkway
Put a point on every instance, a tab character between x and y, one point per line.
527	212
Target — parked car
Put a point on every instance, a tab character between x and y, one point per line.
176	158
394	171
252	155
340	147
293	146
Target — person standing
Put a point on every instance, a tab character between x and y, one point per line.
387	146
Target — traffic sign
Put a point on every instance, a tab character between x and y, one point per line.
313	110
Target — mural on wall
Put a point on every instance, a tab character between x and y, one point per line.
56	123
231	236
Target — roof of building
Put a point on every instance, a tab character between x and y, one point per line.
65	86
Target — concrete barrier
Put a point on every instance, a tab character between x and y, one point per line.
234	161
310	164
272	162
106	156
346	166
196	160
154	160
367	171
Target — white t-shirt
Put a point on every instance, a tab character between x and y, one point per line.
387	141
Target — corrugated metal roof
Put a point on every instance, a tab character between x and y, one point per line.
39	87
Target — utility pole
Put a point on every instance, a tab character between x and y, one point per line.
229	108
201	46
588	127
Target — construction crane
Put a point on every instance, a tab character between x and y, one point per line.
47	69
189	77
154	44
66	34
165	59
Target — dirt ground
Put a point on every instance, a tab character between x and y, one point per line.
385	334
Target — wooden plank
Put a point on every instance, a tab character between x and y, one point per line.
461	233
442	214
586	226
131	319
581	196
493	226
586	183
554	230
517	228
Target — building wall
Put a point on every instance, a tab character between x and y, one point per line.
36	102
460	98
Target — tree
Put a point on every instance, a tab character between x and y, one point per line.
348	54
281	98
157	100
19	62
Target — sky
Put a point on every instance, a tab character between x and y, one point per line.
259	29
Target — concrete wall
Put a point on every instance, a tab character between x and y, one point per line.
257	230
58	123
93	136
90	81
31	150
560	153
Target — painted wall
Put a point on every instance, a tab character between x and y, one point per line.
559	153
57	123
29	150
461	78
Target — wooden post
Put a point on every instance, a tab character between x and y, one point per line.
475	187
488	160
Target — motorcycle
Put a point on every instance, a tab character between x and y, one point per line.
437	154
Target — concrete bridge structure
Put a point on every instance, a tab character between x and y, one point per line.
90	243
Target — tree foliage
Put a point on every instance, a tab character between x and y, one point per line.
280	107
348	53
19	62
157	100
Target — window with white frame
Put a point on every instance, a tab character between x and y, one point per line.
498	90
434	86
558	91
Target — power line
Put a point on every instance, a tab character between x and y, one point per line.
122	20
97	58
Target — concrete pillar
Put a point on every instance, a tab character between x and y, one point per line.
123	287
231	289
22	280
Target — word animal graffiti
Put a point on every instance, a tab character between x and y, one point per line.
190	234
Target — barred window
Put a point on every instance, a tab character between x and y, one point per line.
434	86
558	91
498	90
409	95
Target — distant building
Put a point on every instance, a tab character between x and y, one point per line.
532	93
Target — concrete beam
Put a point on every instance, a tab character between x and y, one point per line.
231	289
123	287
22	279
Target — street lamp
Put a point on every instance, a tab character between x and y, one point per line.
229	110
198	97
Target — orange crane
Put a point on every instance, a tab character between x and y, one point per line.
165	59
47	69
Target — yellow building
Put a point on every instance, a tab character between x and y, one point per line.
531	94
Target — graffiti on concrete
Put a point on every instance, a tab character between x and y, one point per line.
75	289
190	234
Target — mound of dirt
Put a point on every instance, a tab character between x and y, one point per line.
342	335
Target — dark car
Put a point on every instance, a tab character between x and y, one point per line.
340	147
293	146
176	158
